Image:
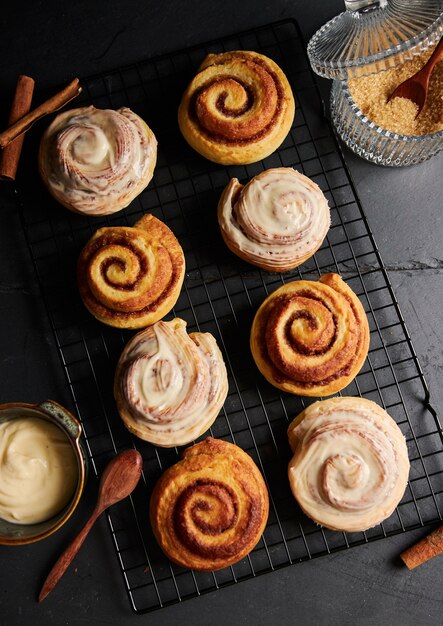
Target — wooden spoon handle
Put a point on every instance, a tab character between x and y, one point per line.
66	558
435	57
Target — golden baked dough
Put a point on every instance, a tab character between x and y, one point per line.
209	510
311	337
170	386
276	221
96	161
238	108
131	276
350	465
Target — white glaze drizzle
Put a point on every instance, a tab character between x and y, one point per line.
173	383
350	464
98	155
279	217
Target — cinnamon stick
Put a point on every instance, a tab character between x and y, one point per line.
53	104
425	549
21	104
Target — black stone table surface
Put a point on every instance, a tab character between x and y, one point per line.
56	40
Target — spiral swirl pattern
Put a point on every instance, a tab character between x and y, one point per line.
277	221
170	386
130	277
238	108
97	161
209	510
311	337
350	465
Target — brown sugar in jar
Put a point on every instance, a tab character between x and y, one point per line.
370	94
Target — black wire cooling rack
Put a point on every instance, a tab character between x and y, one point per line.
220	295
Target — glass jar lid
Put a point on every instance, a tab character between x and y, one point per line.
374	35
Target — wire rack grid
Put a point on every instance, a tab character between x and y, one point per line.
220	295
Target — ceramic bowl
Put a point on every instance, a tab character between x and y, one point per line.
19	534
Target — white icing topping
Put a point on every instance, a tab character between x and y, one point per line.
172	383
96	157
91	147
350	464
279	218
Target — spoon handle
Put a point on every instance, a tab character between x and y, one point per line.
66	558
435	57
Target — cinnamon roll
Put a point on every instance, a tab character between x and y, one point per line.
238	108
131	276
209	510
276	221
310	337
350	465
96	161
170	386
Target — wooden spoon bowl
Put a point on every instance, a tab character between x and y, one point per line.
416	87
118	481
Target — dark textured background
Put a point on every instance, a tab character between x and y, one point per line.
54	41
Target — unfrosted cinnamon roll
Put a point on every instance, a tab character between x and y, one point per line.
96	161
310	337
209	510
170	386
350	465
276	221
131	276
238	108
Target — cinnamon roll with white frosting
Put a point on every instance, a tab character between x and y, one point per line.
276	221
170	386
96	161
350	465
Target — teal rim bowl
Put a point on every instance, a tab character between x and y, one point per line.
20	534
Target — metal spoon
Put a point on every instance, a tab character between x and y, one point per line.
415	87
118	480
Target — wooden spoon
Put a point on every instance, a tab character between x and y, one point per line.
118	480
415	87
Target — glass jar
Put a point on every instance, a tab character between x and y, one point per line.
371	37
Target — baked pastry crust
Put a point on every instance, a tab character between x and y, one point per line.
350	465
238	108
96	161
131	276
310	338
276	221
209	510
170	386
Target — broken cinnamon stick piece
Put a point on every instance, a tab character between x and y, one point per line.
425	549
21	104
53	104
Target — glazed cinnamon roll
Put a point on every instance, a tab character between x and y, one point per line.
310	337
238	108
276	221
209	510
131	276
350	465
170	386
96	161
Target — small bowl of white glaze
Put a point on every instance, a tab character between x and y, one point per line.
42	470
